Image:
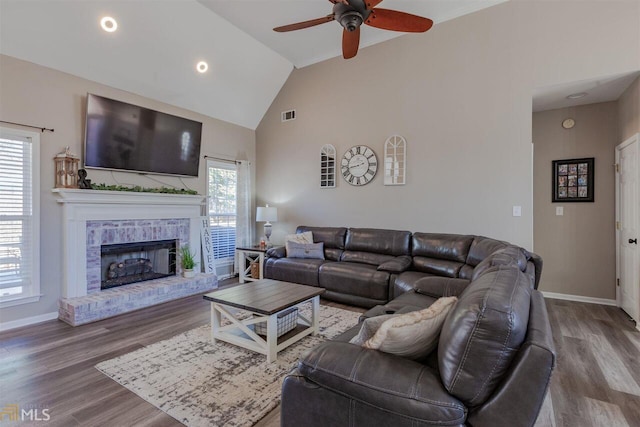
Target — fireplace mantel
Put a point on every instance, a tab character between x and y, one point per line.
80	206
89	197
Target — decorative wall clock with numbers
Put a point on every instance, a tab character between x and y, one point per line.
359	165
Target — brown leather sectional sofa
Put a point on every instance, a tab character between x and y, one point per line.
495	353
368	267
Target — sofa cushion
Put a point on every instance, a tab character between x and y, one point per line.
372	379
297	270
483	333
481	248
361	280
405	303
397	264
387	242
412	335
306	237
440	267
332	237
365	257
436	286
452	247
466	272
405	281
306	250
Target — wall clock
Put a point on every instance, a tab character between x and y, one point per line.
359	165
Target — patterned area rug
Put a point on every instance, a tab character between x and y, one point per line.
202	384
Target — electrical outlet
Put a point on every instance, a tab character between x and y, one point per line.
517	211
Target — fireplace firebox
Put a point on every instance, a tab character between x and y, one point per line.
125	263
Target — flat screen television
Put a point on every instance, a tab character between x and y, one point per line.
125	137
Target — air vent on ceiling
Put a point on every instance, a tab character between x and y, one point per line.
288	115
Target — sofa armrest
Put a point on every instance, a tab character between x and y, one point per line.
437	286
276	252
397	265
537	262
413	389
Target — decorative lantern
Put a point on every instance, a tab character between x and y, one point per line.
66	169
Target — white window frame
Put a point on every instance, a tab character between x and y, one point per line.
228	166
32	292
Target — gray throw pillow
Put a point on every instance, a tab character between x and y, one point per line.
306	237
369	328
306	250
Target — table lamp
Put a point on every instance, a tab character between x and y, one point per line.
267	214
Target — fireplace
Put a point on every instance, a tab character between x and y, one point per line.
120	219
125	263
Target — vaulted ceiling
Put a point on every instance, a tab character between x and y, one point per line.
157	44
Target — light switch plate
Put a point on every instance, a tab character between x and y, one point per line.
559	210
517	211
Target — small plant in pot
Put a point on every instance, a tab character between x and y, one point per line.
187	258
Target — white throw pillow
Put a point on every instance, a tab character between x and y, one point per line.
306	237
412	335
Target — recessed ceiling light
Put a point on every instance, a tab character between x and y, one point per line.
202	67
577	95
108	24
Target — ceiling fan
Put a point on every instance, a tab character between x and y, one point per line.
353	13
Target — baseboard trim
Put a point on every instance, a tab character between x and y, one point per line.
579	298
5	326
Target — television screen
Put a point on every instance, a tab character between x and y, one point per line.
121	136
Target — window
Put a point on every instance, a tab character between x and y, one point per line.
19	217
222	212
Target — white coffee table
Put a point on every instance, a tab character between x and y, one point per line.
264	299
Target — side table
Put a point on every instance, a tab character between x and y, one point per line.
247	255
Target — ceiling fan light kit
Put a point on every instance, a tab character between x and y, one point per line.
351	14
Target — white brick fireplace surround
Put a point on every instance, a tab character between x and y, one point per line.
92	218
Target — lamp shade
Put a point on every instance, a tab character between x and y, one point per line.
267	214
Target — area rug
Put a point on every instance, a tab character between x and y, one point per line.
204	384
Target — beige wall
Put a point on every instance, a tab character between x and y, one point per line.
578	248
629	111
41	96
461	96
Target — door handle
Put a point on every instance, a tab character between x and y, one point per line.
634	241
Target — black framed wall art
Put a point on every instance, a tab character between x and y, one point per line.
572	180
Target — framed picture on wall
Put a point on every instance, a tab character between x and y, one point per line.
572	180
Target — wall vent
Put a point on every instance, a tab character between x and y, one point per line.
288	115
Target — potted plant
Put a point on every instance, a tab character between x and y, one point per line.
187	258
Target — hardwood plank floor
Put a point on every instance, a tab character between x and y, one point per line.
596	383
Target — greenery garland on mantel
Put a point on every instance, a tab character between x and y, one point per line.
139	189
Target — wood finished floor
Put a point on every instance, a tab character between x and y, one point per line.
596	383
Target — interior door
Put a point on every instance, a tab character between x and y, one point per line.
628	254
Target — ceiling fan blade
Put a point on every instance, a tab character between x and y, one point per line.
372	3
398	21
350	43
304	24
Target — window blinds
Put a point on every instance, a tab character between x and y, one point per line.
16	215
222	211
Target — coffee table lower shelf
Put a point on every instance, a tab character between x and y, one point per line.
240	333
